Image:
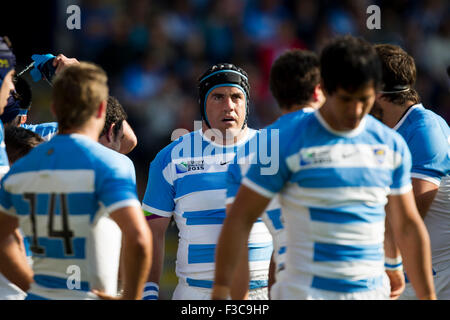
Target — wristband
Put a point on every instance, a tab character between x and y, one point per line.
151	291
393	264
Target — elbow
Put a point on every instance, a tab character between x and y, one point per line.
142	242
27	284
25	281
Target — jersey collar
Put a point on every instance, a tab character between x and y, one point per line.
398	125
346	133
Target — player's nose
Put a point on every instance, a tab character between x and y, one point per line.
228	104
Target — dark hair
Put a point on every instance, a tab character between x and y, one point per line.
399	71
19	142
115	114
222	73
349	63
293	77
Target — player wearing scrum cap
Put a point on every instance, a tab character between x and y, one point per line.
187	181
427	135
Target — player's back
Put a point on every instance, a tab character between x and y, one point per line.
62	193
428	137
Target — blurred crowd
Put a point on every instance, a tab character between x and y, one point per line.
154	51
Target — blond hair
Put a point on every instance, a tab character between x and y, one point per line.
77	93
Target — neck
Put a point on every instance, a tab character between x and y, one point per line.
392	113
296	107
224	137
88	131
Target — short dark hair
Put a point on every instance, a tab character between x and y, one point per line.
19	142
349	63
115	114
293	77
399	70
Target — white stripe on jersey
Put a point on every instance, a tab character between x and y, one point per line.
50	181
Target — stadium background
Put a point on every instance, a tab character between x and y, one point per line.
154	51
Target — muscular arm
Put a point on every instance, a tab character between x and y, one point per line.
396	277
159	227
424	193
13	262
247	207
137	250
241	278
412	238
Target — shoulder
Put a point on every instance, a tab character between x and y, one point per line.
421	118
169	152
423	126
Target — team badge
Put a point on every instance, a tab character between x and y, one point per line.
380	155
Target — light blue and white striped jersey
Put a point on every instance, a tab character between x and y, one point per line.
46	130
428	139
187	180
333	187
63	192
4	162
272	216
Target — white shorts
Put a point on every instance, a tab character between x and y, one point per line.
9	291
185	292
286	289
441	283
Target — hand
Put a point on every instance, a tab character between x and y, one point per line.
105	296
220	292
61	62
397	281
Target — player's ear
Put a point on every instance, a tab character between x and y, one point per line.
101	111
317	92
23	119
110	133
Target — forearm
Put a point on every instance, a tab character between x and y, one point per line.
416	254
232	242
137	262
391	250
13	263
157	259
241	279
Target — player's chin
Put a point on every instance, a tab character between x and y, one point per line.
229	124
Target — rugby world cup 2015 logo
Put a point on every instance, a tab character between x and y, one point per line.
181	167
192	165
380	155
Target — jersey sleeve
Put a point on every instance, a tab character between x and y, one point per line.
429	148
401	179
268	177
159	194
115	183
